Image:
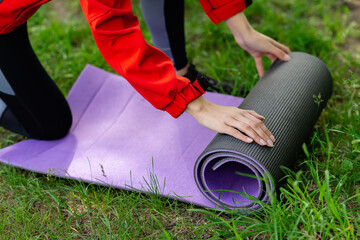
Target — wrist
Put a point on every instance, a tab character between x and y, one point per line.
239	27
196	106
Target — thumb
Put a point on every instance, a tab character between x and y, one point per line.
259	65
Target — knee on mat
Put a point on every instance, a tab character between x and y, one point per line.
53	127
59	130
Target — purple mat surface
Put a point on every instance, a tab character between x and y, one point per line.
119	139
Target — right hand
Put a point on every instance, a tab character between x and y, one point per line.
255	43
232	121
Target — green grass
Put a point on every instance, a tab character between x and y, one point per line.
320	199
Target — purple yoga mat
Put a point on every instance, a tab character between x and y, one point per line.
119	139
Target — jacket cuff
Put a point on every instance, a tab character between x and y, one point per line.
225	11
182	99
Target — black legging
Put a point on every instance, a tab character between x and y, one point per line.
30	102
165	20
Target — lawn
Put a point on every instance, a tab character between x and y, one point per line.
321	198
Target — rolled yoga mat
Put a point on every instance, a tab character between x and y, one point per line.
119	139
291	95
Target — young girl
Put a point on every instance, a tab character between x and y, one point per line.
31	104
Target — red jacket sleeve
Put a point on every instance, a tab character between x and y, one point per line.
14	13
117	34
219	10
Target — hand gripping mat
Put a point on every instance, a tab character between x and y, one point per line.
119	139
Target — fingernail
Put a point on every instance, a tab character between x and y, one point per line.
272	138
270	143
249	140
287	57
262	142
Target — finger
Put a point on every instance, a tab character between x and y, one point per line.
281	46
271	57
255	114
279	53
262	126
246	127
259	65
236	134
255	129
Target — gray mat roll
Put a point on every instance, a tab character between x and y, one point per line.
285	96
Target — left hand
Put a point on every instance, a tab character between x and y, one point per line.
245	125
255	43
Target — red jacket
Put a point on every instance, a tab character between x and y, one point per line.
117	34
